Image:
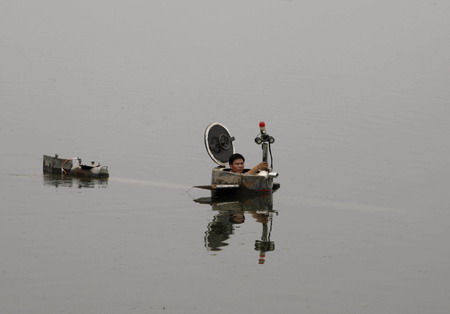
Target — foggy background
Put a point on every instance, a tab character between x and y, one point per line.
354	92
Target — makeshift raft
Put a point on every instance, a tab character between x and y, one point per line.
225	182
73	167
219	145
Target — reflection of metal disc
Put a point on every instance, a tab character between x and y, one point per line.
219	143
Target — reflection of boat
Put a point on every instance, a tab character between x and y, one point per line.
59	180
231	211
73	167
261	203
219	145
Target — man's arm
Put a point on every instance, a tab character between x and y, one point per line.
261	166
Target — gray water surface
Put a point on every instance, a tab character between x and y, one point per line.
354	92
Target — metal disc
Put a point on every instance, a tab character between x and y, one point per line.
219	143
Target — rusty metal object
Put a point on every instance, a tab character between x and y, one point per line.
53	164
73	167
227	183
248	183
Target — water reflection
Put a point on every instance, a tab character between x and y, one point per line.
58	180
231	212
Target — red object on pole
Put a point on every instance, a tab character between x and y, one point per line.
262	257
262	126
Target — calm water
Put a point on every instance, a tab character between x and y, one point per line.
354	92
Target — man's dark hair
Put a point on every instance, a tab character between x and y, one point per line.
234	157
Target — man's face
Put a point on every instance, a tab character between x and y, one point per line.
237	166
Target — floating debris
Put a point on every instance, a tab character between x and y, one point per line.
73	167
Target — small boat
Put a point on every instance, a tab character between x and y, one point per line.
73	167
219	145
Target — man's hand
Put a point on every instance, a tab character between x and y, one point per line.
262	166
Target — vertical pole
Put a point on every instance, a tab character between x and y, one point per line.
265	151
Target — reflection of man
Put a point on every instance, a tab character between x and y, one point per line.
220	229
236	163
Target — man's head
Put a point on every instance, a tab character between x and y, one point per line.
236	163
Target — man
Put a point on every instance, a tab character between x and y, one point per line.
236	163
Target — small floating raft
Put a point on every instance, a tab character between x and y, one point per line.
73	167
219	145
224	180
